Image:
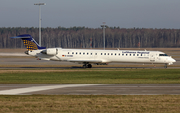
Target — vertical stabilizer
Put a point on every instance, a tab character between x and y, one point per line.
29	42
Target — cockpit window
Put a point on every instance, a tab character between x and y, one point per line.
163	55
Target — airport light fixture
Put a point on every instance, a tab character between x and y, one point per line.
104	26
40	20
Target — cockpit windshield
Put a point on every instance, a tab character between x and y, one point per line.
163	55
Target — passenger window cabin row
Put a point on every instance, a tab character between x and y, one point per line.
115	54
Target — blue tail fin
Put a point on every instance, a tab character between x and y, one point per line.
29	42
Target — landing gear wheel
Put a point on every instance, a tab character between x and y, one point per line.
84	66
89	66
165	66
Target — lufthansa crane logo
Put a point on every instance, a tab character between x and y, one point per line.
30	45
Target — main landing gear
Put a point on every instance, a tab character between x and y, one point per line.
87	66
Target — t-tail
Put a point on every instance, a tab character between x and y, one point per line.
29	42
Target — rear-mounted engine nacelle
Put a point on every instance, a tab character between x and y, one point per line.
50	51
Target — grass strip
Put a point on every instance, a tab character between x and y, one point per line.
90	103
116	76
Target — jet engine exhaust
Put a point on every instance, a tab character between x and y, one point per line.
26	52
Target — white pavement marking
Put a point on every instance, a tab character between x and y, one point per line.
13	54
39	88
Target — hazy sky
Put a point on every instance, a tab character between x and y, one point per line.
91	13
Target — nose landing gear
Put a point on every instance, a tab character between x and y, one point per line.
165	66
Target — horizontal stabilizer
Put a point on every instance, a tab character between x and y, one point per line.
22	36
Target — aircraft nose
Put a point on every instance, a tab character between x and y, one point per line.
173	60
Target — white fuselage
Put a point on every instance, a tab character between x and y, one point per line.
103	56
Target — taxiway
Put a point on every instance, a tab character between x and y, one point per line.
90	89
29	62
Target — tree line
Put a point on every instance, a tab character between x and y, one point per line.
81	37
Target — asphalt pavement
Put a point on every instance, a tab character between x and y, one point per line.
90	89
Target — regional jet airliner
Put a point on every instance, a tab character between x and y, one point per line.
87	57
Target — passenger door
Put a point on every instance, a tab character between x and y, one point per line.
152	57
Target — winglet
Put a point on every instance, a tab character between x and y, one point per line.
29	42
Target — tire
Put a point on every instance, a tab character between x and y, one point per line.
89	66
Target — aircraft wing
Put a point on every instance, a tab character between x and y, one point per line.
87	60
